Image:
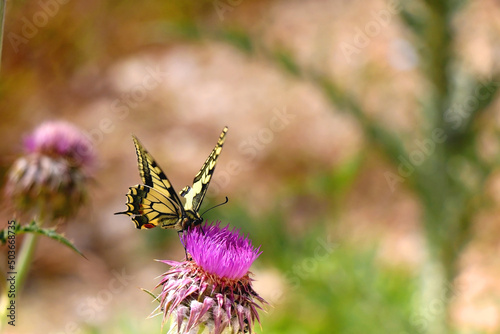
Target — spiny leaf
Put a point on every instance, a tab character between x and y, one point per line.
186	29
239	39
34	228
472	102
287	62
413	21
4	234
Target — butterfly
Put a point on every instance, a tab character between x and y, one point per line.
156	203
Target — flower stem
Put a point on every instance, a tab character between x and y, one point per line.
4	300
24	261
25	257
435	303
3	4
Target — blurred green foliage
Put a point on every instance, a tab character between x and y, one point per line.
347	292
350	290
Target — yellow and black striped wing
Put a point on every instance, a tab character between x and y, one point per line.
155	203
152	175
195	195
150	208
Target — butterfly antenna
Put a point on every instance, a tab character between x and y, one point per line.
213	207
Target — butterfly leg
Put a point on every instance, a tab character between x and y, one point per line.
185	250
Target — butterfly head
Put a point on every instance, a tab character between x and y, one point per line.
191	218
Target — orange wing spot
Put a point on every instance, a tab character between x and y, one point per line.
148	225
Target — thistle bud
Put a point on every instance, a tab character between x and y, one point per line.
50	179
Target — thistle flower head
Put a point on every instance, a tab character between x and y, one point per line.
50	179
61	139
213	289
220	252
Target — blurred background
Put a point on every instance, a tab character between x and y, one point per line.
362	154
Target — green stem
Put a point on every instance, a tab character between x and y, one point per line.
25	257
436	297
24	260
4	300
2	24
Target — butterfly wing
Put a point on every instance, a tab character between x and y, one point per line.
194	196
150	208
155	203
152	175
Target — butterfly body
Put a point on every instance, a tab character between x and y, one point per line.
156	203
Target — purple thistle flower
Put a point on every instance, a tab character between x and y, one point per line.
221	252
61	139
213	289
50	179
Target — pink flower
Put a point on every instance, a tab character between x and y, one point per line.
63	140
51	179
213	289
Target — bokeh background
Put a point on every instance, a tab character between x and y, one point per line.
325	101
